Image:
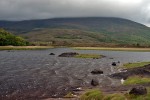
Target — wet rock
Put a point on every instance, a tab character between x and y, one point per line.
114	64
94	82
96	71
51	54
139	90
68	54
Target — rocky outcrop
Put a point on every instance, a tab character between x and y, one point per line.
97	71
139	90
68	54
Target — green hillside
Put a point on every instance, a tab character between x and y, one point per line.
92	31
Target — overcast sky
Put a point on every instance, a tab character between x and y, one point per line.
136	10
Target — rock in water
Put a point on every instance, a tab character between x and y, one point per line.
68	54
139	90
114	64
51	54
94	82
96	71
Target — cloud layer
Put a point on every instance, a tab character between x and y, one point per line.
137	10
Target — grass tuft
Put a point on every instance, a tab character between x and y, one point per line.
92	95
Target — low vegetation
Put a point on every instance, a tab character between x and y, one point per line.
112	49
7	38
135	65
98	95
24	47
92	95
88	56
114	97
136	80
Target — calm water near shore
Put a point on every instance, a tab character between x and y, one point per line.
36	74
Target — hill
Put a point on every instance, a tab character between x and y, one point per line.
92	31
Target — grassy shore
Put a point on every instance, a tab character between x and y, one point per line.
96	94
24	47
113	49
135	65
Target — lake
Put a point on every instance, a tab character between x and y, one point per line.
28	74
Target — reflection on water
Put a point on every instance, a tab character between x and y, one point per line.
37	74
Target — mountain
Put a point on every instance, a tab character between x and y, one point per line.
89	31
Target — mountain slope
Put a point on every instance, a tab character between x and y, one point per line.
92	30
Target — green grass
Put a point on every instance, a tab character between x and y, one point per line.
113	49
96	94
114	97
136	80
24	47
92	95
88	56
135	65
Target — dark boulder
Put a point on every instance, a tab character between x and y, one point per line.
95	71
114	64
139	90
68	54
94	82
51	54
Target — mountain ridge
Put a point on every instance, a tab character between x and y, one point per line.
96	30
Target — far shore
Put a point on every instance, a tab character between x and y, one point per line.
24	47
113	49
76	48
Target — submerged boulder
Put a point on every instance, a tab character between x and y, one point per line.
96	71
139	90
68	54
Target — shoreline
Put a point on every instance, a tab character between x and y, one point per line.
25	47
113	49
75	48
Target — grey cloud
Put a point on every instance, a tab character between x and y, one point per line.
137	10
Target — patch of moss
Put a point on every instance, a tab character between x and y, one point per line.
92	95
136	80
135	65
88	56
